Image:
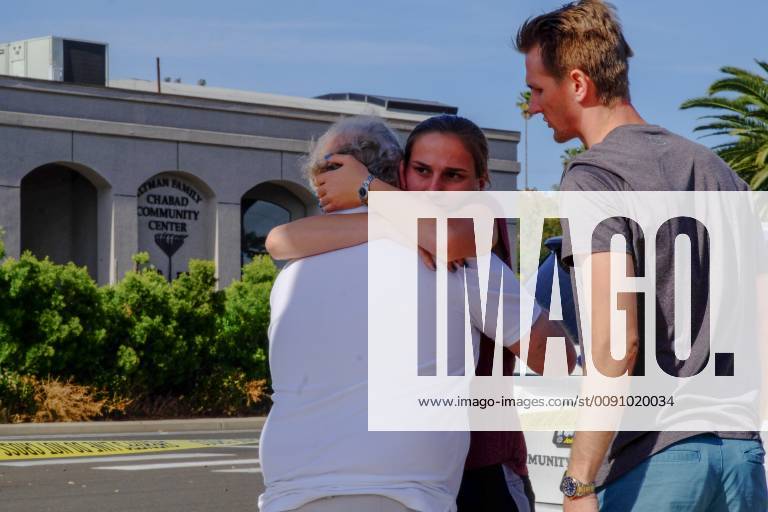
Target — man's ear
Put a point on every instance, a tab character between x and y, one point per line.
580	85
401	176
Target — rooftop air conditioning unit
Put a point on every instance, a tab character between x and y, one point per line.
56	58
3	59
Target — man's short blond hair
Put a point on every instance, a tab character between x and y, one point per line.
583	35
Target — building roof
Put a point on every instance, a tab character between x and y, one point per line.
394	104
340	106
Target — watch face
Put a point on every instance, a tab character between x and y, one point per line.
362	192
568	486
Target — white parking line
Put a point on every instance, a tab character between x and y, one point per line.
142	467
121	458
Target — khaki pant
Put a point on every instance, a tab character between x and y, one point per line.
354	503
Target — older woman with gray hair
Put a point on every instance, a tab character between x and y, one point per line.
316	451
368	139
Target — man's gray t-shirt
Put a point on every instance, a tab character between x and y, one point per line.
647	158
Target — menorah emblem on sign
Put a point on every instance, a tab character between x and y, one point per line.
169	243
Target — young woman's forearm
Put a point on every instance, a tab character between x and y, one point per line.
317	235
338	190
381	186
461	239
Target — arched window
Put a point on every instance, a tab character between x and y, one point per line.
59	209
259	217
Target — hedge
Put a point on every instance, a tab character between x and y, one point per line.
142	336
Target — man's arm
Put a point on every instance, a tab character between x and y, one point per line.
590	447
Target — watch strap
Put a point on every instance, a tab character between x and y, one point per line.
584	489
364	188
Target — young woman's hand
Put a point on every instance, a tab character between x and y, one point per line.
429	261
338	189
455	265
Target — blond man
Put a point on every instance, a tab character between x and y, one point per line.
577	67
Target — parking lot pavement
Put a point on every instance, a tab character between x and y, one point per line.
60	473
210	470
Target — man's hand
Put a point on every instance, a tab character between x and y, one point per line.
338	189
583	504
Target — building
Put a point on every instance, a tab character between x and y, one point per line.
94	174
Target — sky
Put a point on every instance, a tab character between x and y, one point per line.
457	52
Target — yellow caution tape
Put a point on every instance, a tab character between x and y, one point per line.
22	450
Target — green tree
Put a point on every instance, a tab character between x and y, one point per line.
570	153
524	104
741	100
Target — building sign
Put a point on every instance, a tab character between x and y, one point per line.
173	223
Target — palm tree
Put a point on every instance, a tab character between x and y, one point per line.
571	153
523	103
744	116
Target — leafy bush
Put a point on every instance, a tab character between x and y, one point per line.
148	341
242	329
50	319
161	332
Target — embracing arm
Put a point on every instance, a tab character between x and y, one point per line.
325	233
461	238
337	190
316	235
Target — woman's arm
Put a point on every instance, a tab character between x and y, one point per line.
316	235
461	238
338	190
320	234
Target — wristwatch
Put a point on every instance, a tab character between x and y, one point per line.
363	190
572	488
